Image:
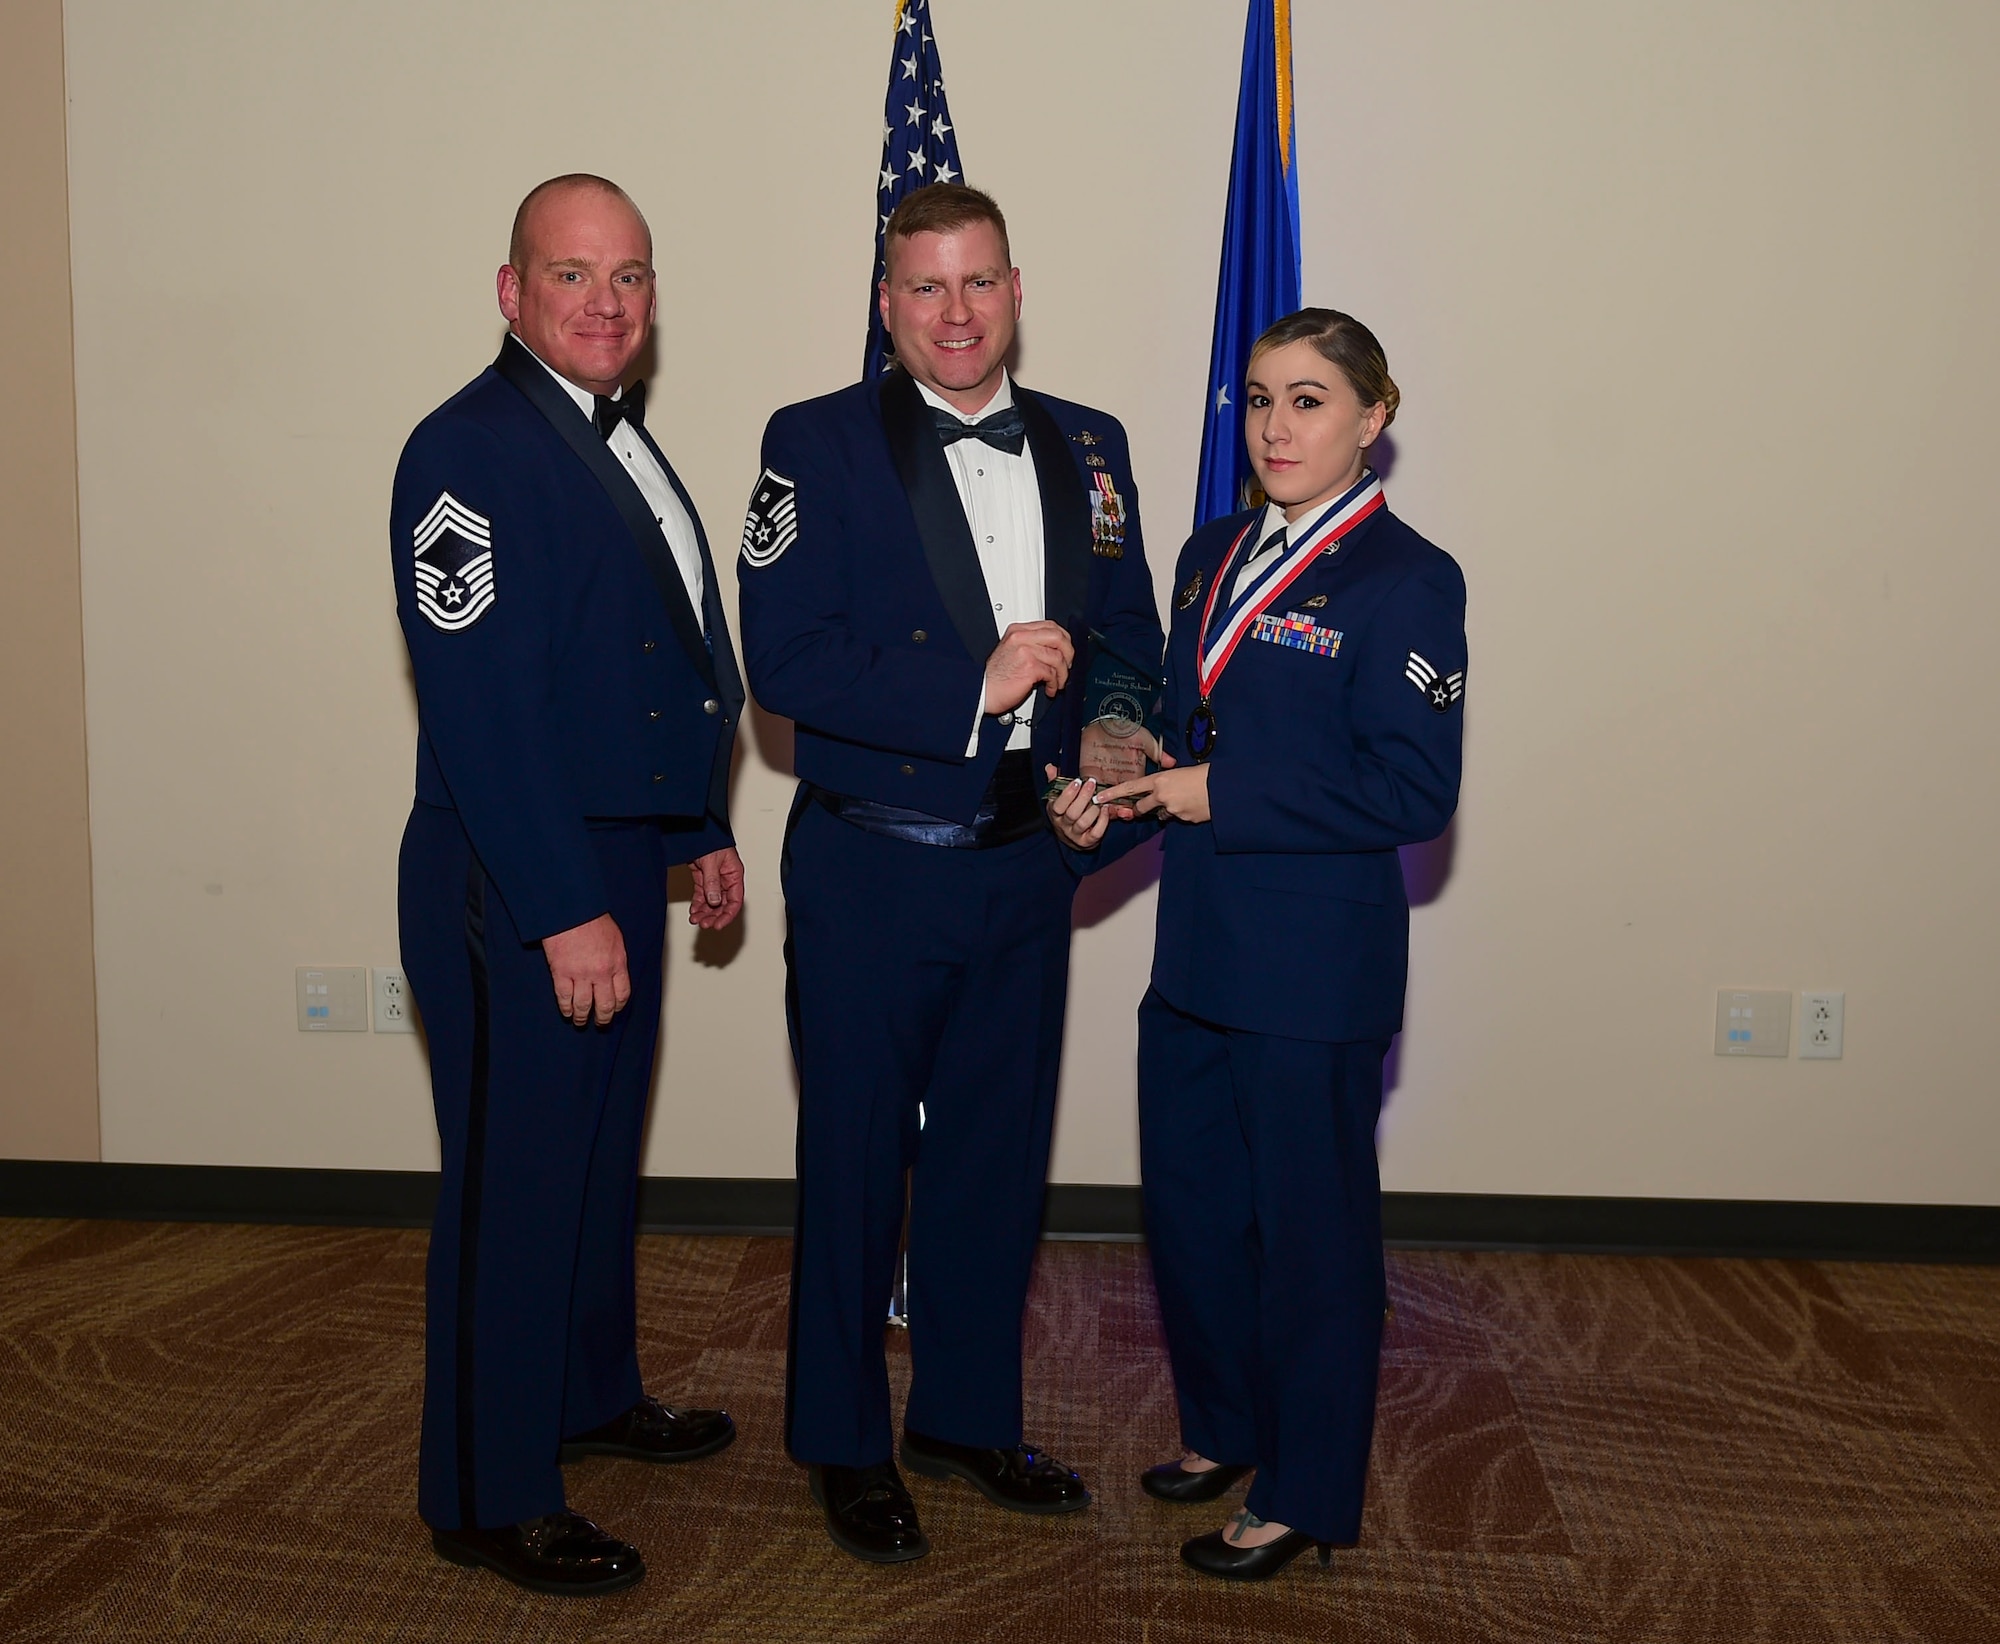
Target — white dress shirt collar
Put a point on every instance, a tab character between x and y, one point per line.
1003	397
1273	520
586	401
662	500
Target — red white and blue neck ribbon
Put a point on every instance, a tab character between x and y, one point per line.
1212	654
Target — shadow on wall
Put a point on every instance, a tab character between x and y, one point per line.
1103	893
1426	872
1427	867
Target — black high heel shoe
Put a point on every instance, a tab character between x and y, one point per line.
1170	1481
1214	1554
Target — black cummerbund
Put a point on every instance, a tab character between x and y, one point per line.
1010	809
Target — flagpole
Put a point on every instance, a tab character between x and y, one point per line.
919	147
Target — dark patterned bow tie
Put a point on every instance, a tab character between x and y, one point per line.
1005	430
630	407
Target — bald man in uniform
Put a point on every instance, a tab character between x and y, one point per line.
577	700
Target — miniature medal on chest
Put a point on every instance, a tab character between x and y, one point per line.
1107	514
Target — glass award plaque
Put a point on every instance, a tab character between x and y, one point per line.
1119	699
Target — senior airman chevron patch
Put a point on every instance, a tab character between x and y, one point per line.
454	565
1440	690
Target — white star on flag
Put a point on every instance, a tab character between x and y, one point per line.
918	162
1221	397
916	114
939	128
909	68
944	172
888	178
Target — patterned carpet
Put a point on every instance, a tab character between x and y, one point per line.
209	1431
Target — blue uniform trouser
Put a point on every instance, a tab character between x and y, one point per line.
1264	1219
530	1305
918	974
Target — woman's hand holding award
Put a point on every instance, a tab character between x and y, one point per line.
1114	748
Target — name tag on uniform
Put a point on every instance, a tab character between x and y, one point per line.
1299	633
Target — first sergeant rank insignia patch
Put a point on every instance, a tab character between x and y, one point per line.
1440	690
772	524
1192	592
454	565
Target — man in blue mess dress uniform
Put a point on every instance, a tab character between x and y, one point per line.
577	701
924	559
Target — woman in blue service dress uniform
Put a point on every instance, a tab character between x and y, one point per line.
1315	672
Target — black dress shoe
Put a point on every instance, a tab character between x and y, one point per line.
1022	1479
1214	1554
651	1431
869	1513
561	1553
1170	1481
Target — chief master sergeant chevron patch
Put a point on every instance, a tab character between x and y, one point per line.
454	553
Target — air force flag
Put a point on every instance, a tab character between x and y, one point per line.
1259	282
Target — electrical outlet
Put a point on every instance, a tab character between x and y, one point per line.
1753	1024
1822	1016
395	1010
332	998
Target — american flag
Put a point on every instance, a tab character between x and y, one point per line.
919	146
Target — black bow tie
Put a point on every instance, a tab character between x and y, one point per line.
1005	430
630	407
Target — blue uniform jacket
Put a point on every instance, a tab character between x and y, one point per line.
561	674
1337	741
865	614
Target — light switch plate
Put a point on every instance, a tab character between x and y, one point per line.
332	998
1753	1023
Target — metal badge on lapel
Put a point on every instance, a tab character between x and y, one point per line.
1192	592
1086	437
1107	518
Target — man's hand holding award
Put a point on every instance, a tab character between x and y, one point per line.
1114	754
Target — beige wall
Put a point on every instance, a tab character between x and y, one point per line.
48	1034
1691	307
